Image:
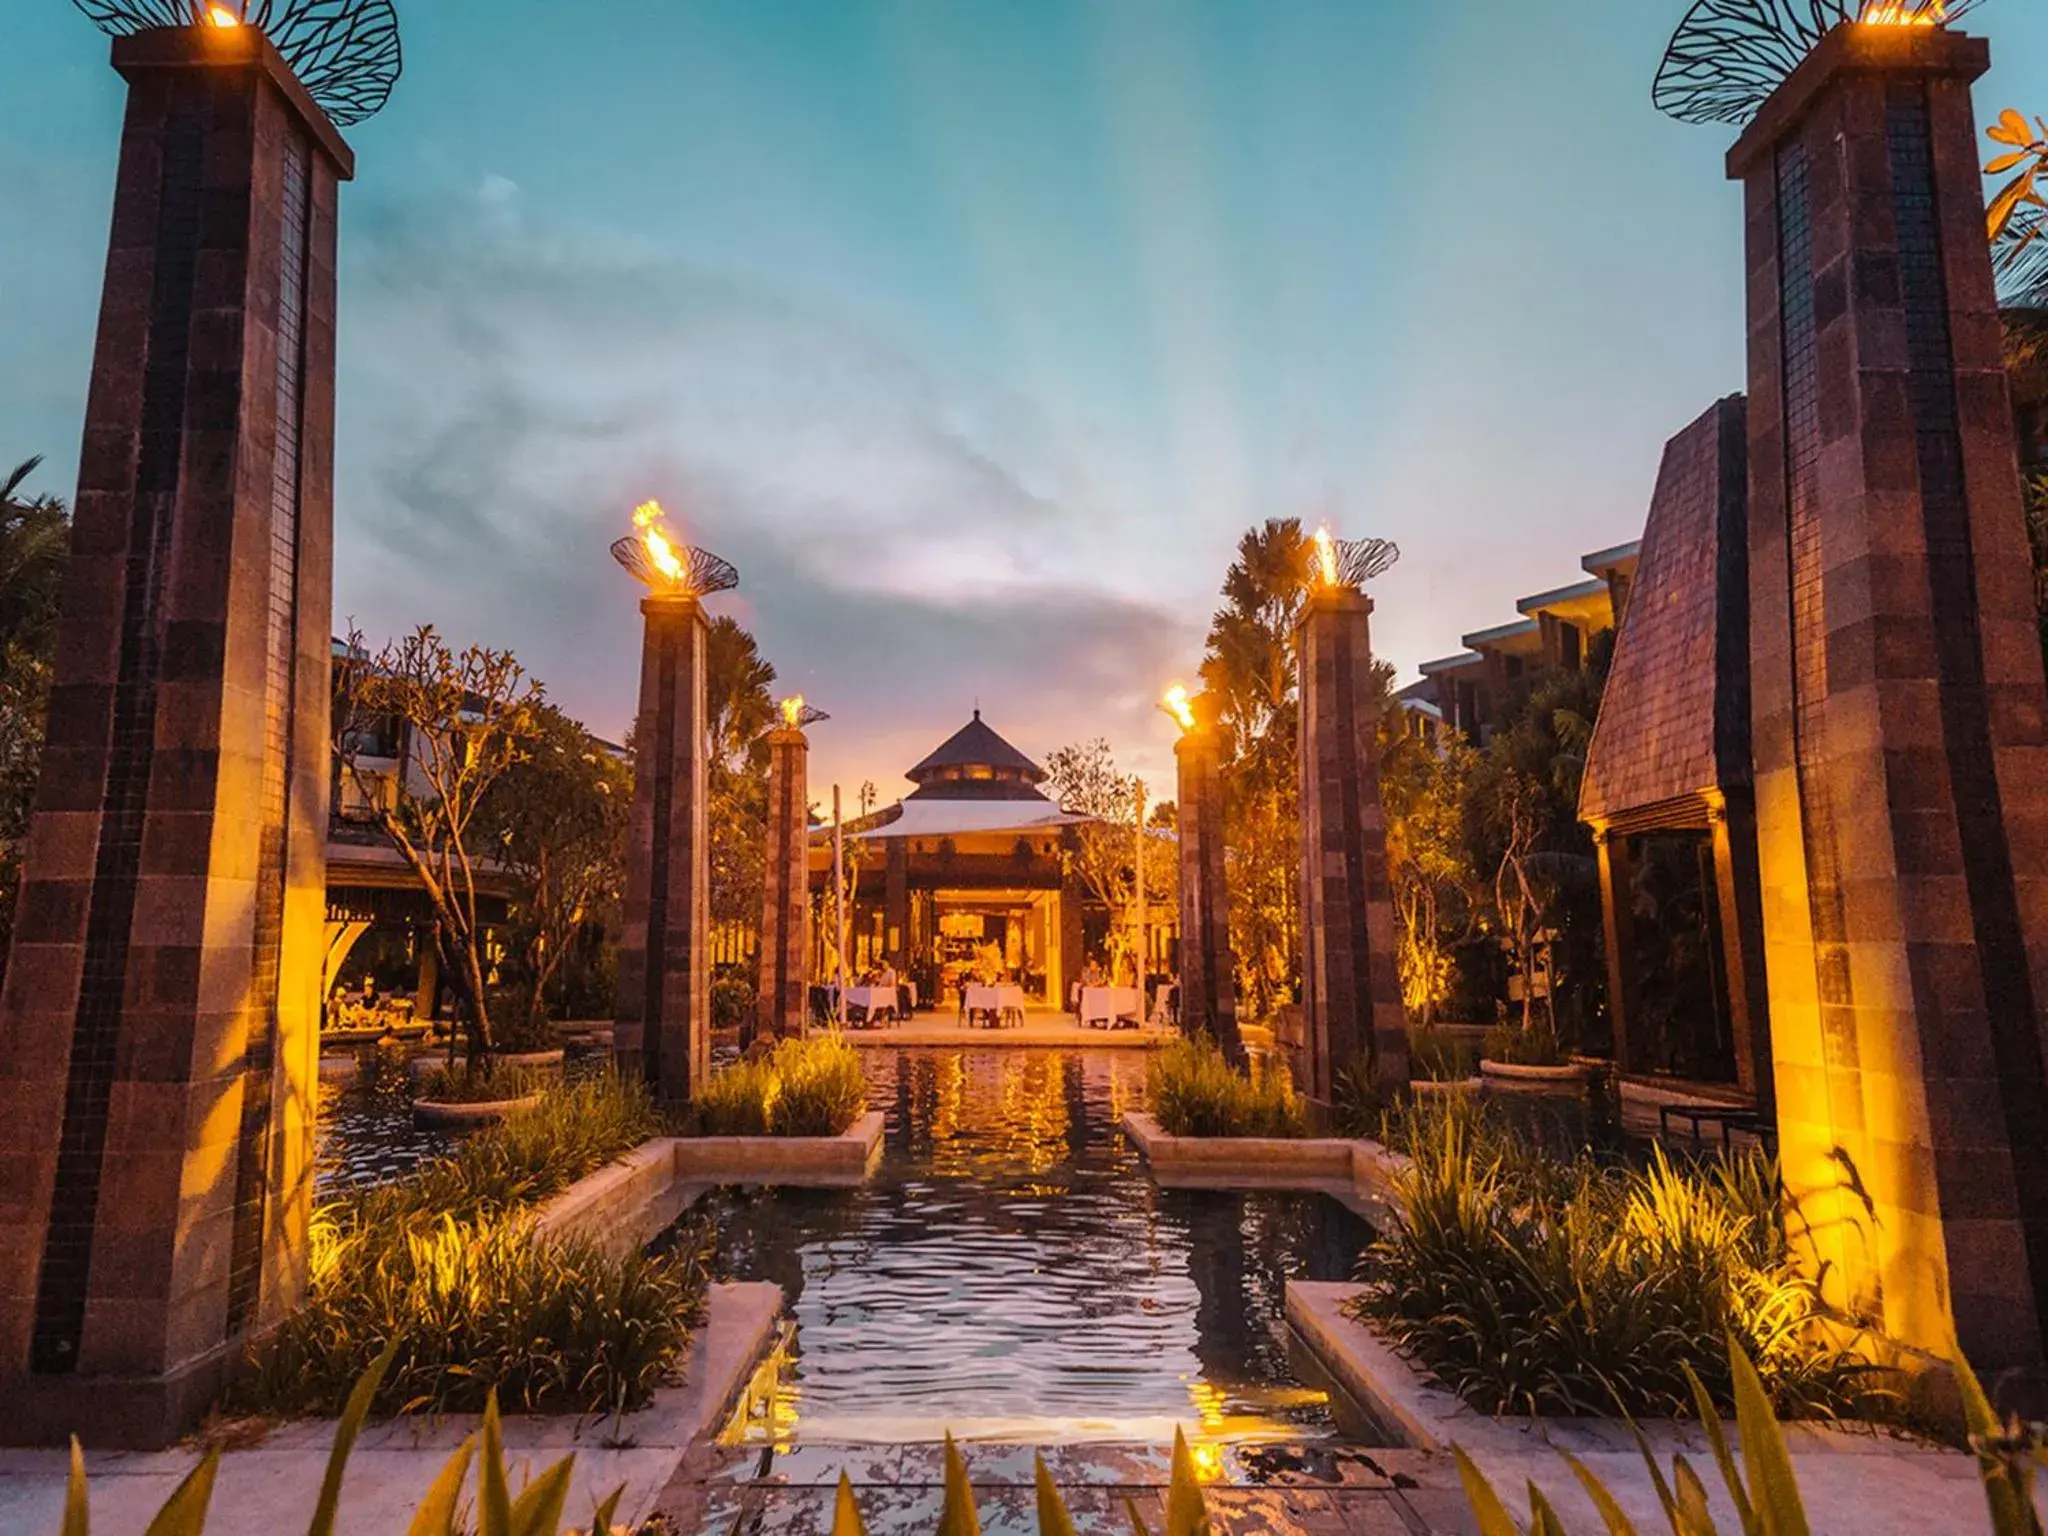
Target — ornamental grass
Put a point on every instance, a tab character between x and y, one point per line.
811	1086
1532	1284
1196	1091
445	1270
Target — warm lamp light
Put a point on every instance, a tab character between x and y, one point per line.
665	563
1176	703
1326	555
1903	13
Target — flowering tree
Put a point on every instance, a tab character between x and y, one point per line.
1085	781
461	721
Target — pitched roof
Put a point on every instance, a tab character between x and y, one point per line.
1674	719
974	745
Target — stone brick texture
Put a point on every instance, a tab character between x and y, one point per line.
663	1028
1208	976
1900	726
785	949
193	652
1351	992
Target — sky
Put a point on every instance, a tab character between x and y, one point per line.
975	332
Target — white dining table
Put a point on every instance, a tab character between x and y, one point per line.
876	1000
997	1001
1106	1005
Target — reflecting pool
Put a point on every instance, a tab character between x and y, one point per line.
1012	1273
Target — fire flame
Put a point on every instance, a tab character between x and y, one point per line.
793	711
1903	13
1177	704
1326	555
652	523
221	16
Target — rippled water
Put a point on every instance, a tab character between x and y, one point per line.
1013	1273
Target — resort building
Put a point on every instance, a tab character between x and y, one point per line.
972	869
1552	629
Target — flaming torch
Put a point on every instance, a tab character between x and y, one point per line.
796	714
1350	563
665	564
1904	13
1175	702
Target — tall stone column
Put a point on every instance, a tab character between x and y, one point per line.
159	1028
663	1030
784	991
1900	720
1351	994
1208	975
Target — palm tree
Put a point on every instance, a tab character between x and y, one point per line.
34	535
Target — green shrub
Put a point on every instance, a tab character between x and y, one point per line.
1511	1045
485	1085
445	1270
575	1129
1532	1284
732	1001
1440	1058
472	1308
804	1087
1195	1091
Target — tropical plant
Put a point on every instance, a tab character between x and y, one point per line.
811	1086
1530	1283
489	1085
444	1269
456	723
1249	672
1764	1488
1196	1091
1523	1046
738	712
34	540
556	817
1103	851
2017	221
1439	1058
1422	793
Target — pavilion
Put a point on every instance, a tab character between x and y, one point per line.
972	859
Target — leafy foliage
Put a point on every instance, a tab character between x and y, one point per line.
1436	900
1533	1284
444	1272
2017	221
1512	1045
460	722
557	817
804	1087
34	542
1195	1091
1084	779
738	710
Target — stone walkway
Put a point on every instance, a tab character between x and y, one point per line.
1312	1491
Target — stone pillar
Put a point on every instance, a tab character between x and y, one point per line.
1732	825
896	901
782	1005
1617	911
159	1027
1351	994
1208	967
1900	720
663	1030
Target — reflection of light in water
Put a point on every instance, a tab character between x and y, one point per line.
1014	1275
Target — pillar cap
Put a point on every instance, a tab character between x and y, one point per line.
1335	600
1855	48
670	605
242	47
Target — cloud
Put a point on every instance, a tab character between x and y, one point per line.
511	388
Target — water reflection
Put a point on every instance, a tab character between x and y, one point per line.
1013	1273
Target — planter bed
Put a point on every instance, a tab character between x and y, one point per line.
1437	1088
1871	1484
1358	1173
481	1112
627	1202
1511	1074
395	1461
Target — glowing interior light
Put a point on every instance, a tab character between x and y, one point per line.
793	711
1326	555
1177	704
650	520
221	16
1903	13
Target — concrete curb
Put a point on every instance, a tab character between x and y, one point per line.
1361	1174
627	1202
